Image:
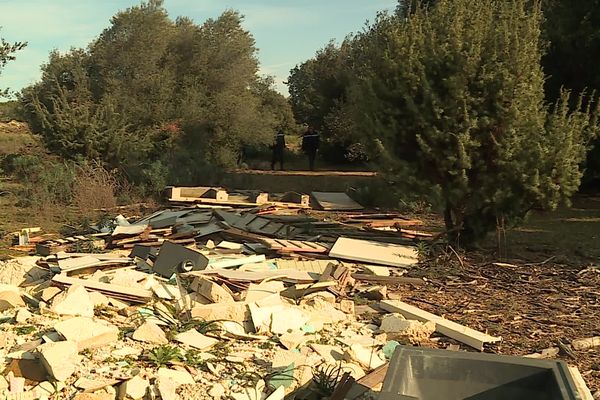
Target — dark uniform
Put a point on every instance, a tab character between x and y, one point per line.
278	149
310	145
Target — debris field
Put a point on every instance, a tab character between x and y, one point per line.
225	296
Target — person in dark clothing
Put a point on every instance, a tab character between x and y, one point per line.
278	149
310	145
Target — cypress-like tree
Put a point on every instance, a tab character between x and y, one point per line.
451	98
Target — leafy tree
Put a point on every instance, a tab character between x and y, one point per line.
452	101
159	99
6	54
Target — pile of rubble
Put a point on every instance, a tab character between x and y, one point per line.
216	304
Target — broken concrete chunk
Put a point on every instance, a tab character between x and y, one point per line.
167	388
87	333
393	323
397	327
214	292
217	391
180	377
330	354
376	293
10	299
294	339
149	332
75	301
135	388
290	319
366	357
195	339
59	358
23	315
347	306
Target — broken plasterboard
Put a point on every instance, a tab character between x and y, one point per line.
394	255
332	201
446	327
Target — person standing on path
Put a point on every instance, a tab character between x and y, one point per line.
310	145
278	149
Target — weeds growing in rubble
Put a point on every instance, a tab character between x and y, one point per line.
163	355
25	330
326	378
195	359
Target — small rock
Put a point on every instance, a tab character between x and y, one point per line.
167	388
75	301
347	306
376	293
23	315
397	327
59	358
393	323
367	358
217	391
135	388
10	299
149	332
87	333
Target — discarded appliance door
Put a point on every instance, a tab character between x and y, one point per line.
433	374
173	258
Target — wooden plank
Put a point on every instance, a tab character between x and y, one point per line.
333	201
391	280
140	295
582	388
374	252
446	327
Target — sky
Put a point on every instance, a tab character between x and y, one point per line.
287	32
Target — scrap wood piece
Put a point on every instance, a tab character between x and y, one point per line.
290	246
335	201
368	382
390	280
582	388
131	293
343	387
374	252
587	343
446	327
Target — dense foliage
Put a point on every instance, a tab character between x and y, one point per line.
449	100
572	30
156	98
